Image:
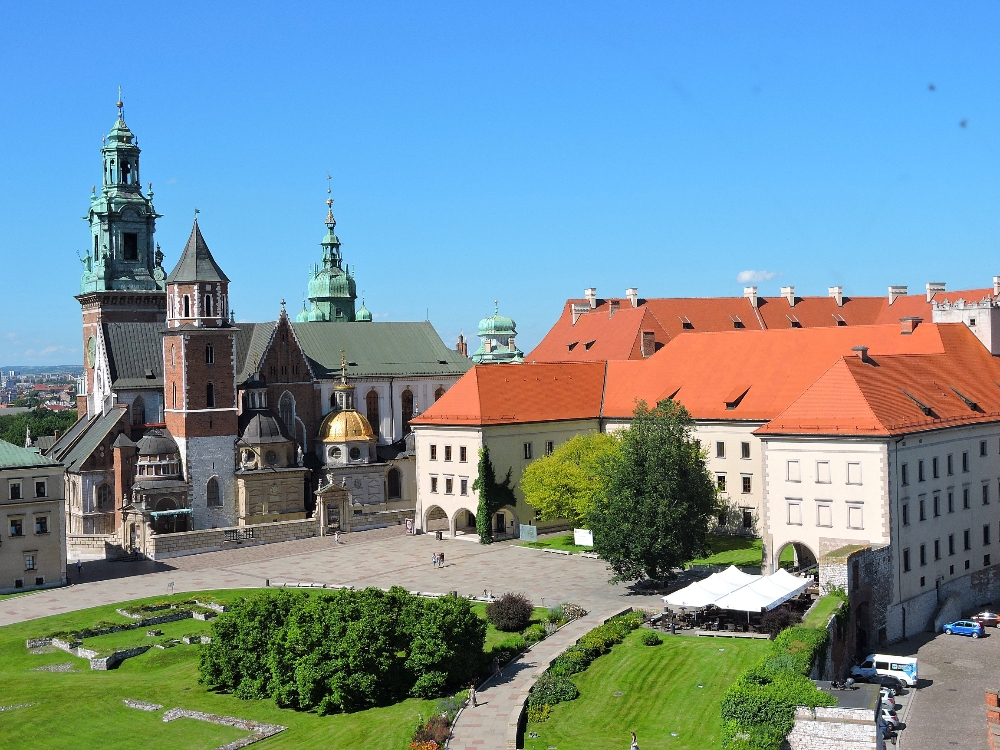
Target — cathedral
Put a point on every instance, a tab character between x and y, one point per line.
190	421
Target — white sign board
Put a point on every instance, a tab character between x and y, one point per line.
583	537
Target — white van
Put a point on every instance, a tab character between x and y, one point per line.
903	668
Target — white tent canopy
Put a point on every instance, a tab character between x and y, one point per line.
753	594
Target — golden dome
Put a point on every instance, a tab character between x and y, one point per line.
345	425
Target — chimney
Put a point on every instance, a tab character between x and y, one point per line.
632	293
909	325
861	351
996	285
933	287
750	292
591	296
896	291
837	292
613	307
461	347
788	292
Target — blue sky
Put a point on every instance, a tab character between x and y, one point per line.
511	151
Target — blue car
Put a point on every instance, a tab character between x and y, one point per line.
964	627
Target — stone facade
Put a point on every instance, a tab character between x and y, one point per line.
213	458
164	546
834	728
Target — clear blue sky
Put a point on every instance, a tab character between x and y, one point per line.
518	151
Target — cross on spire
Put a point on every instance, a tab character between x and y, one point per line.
120	104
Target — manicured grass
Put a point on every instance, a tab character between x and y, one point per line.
562	542
84	709
787	559
731	550
494	636
825	607
660	694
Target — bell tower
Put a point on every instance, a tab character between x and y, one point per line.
332	290
123	280
199	381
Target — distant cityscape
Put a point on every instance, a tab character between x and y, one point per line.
53	387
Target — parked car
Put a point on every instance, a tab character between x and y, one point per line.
887	670
889	699
891	719
987	619
965	627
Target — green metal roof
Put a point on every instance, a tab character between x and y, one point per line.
378	349
78	451
13	457
196	263
135	354
251	342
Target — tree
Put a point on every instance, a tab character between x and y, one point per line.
42	421
658	497
566	483
493	495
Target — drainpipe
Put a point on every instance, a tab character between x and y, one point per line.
392	411
899	572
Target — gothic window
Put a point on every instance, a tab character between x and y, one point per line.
286	410
95	247
406	410
392	479
173	355
173	395
210	395
438	393
187	306
138	412
371	401
105	497
209	355
131	246
212	493
208	306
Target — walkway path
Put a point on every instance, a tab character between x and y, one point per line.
492	725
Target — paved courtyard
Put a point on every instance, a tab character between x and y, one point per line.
383	557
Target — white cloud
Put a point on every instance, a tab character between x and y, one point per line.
745	277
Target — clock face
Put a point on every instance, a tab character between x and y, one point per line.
91	352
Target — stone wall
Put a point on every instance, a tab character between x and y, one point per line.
163	546
962	594
93	547
112	661
865	573
993	720
833	728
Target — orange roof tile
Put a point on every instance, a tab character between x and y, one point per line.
819	312
896	394
598	335
507	394
969	295
908	306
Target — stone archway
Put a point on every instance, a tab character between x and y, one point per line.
463	522
795	557
435	519
505	518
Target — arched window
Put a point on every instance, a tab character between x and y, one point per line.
173	395
212	493
438	393
286	410
209	355
392	480
406	409
371	402
208	306
105	497
138	412
173	355
187	306
210	395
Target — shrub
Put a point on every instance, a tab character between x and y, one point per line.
436	730
507	649
649	638
449	707
551	689
776	620
510	613
556	614
534	633
429	685
572	611
539	713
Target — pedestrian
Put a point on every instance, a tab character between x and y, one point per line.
79	568
472	695
496	666
434	559
336	537
441	559
635	745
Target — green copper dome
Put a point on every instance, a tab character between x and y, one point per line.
497	324
363	316
303	315
331	289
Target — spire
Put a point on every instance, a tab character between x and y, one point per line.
121	105
27	437
196	262
343	367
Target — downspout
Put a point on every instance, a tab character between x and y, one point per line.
899	573
392	410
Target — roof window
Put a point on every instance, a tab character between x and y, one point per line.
736	396
589	344
572	346
928	412
840	319
794	321
686	322
737	323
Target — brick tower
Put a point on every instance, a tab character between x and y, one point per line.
199	381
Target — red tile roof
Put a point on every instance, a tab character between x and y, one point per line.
899	393
509	394
598	334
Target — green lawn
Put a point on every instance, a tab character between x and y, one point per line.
787	559
494	636
84	709
825	607
731	550
562	542
659	695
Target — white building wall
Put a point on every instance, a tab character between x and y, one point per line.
980	316
202	459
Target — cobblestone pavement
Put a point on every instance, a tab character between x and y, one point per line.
948	709
383	557
488	726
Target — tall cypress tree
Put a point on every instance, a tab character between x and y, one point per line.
493	495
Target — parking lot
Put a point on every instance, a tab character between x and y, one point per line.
948	708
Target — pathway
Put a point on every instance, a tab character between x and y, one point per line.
492	725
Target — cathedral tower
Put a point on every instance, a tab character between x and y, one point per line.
123	279
199	379
332	291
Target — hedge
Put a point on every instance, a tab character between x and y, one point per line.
758	710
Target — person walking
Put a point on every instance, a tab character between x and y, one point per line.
472	695
336	537
434	559
79	568
635	745
441	559
496	666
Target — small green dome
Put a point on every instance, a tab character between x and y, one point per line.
303	315
315	314
497	324
363	315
